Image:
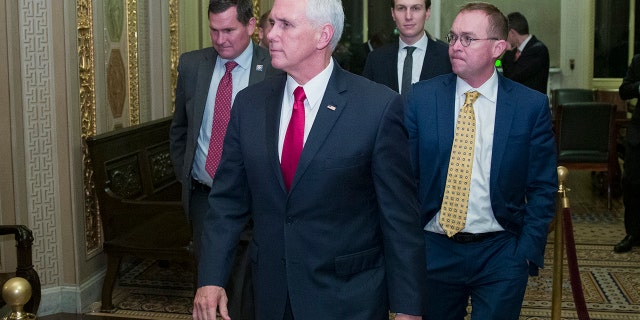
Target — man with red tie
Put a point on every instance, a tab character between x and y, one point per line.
208	80
528	60
319	159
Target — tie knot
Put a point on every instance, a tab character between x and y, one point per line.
410	50
230	65
298	94
471	97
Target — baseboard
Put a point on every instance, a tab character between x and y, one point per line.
72	299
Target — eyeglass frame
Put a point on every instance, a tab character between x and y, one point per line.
454	37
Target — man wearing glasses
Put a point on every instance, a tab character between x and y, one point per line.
487	196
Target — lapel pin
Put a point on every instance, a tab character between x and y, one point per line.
332	108
259	67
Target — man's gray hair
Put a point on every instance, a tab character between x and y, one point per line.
327	11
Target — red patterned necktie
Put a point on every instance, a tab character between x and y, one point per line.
293	139
221	112
518	52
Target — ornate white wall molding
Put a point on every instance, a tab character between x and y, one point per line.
41	162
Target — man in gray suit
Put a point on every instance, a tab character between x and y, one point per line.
231	24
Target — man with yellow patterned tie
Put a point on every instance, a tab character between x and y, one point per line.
483	150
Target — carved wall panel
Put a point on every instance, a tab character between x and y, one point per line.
125	77
40	135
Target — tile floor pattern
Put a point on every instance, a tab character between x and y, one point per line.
611	282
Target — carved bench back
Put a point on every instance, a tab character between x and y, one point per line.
131	164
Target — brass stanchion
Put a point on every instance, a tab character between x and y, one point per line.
16	292
558	244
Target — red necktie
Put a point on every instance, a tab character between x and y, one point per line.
518	52
221	112
293	140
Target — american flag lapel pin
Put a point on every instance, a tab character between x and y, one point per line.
259	67
332	108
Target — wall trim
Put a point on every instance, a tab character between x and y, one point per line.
73	299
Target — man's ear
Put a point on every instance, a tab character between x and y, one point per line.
499	47
251	25
326	34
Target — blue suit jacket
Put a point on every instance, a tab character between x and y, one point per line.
345	242
382	63
523	177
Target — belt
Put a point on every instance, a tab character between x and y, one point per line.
465	237
197	185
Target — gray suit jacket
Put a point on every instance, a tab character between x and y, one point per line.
195	69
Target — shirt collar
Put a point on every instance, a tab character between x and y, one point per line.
314	89
489	89
524	43
420	44
244	59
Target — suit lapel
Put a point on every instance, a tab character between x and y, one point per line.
446	114
505	109
203	82
258	64
273	109
326	118
392	67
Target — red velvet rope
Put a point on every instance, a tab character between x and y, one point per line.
572	262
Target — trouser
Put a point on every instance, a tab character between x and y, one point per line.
239	288
631	190
487	270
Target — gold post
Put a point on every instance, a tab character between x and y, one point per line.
562	202
16	292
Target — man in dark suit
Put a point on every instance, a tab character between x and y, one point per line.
336	236
231	24
386	65
512	182
629	89
528	60
263	29
361	52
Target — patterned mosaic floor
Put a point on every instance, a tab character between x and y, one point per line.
611	282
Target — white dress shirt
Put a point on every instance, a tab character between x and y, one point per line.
418	59
240	77
314	90
480	218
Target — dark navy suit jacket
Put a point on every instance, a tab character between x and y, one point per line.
346	241
523	182
382	63
532	68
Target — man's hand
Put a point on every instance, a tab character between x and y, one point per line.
207	300
400	316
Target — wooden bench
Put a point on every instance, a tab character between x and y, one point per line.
138	199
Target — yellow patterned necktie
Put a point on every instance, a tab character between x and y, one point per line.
453	214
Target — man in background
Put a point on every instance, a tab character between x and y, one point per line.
484	154
208	80
528	60
319	159
361	52
264	26
629	89
414	56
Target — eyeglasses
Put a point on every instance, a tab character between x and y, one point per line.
465	39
